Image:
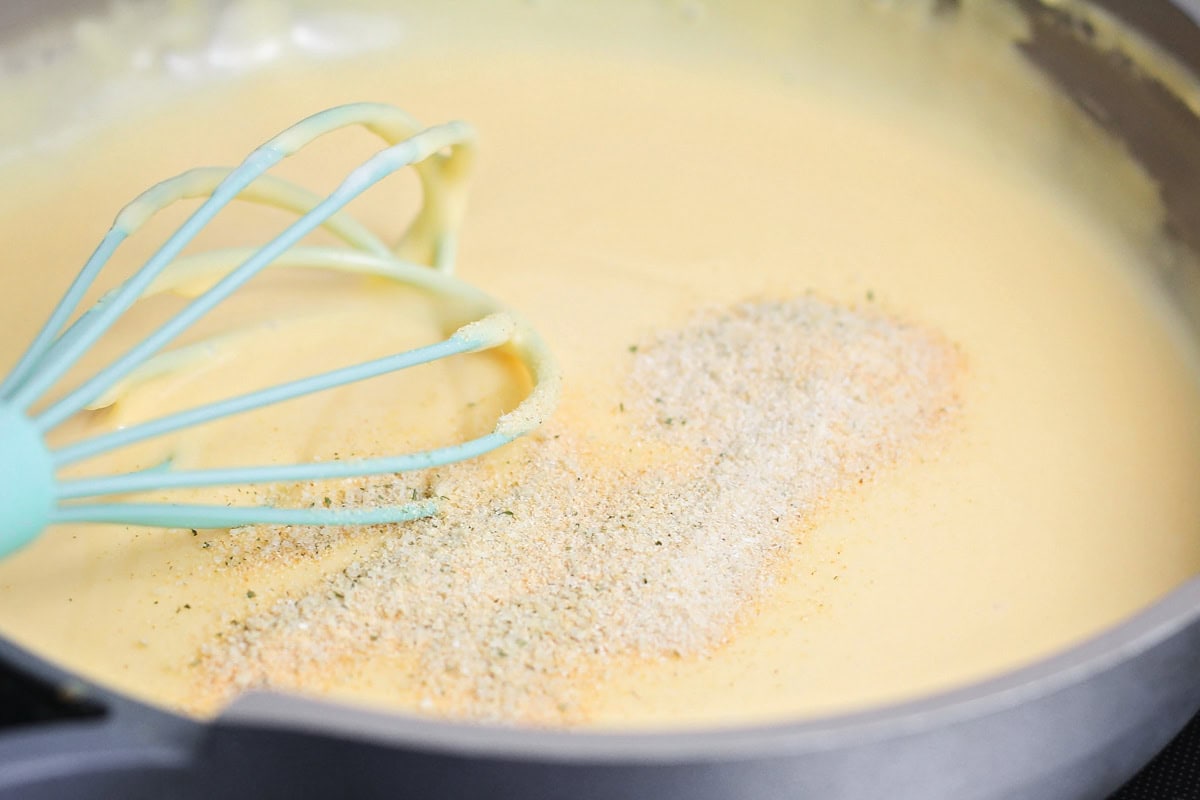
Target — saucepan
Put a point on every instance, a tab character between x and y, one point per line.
1075	725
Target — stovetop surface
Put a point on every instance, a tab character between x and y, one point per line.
1174	774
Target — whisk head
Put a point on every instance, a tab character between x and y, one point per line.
32	496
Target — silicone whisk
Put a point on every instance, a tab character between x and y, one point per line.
32	496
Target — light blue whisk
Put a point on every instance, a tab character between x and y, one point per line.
31	495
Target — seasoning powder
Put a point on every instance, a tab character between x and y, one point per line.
648	539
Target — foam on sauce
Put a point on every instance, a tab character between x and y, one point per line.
636	167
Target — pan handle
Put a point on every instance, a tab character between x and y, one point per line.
62	737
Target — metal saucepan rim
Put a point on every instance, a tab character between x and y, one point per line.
1057	673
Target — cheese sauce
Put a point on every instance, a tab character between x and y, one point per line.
637	165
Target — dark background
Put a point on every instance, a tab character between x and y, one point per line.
1174	775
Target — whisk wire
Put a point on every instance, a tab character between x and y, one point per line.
193	479
386	121
269	190
51	369
31	495
455	345
379	166
182	515
61	313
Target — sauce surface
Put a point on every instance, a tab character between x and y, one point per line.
631	173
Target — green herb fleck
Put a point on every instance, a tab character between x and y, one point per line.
250	593
327	502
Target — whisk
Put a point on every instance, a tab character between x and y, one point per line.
31	494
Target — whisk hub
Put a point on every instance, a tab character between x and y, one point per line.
26	481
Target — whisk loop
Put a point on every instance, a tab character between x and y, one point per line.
31	495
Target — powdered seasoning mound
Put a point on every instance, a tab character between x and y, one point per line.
649	539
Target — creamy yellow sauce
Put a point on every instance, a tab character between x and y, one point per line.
636	166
